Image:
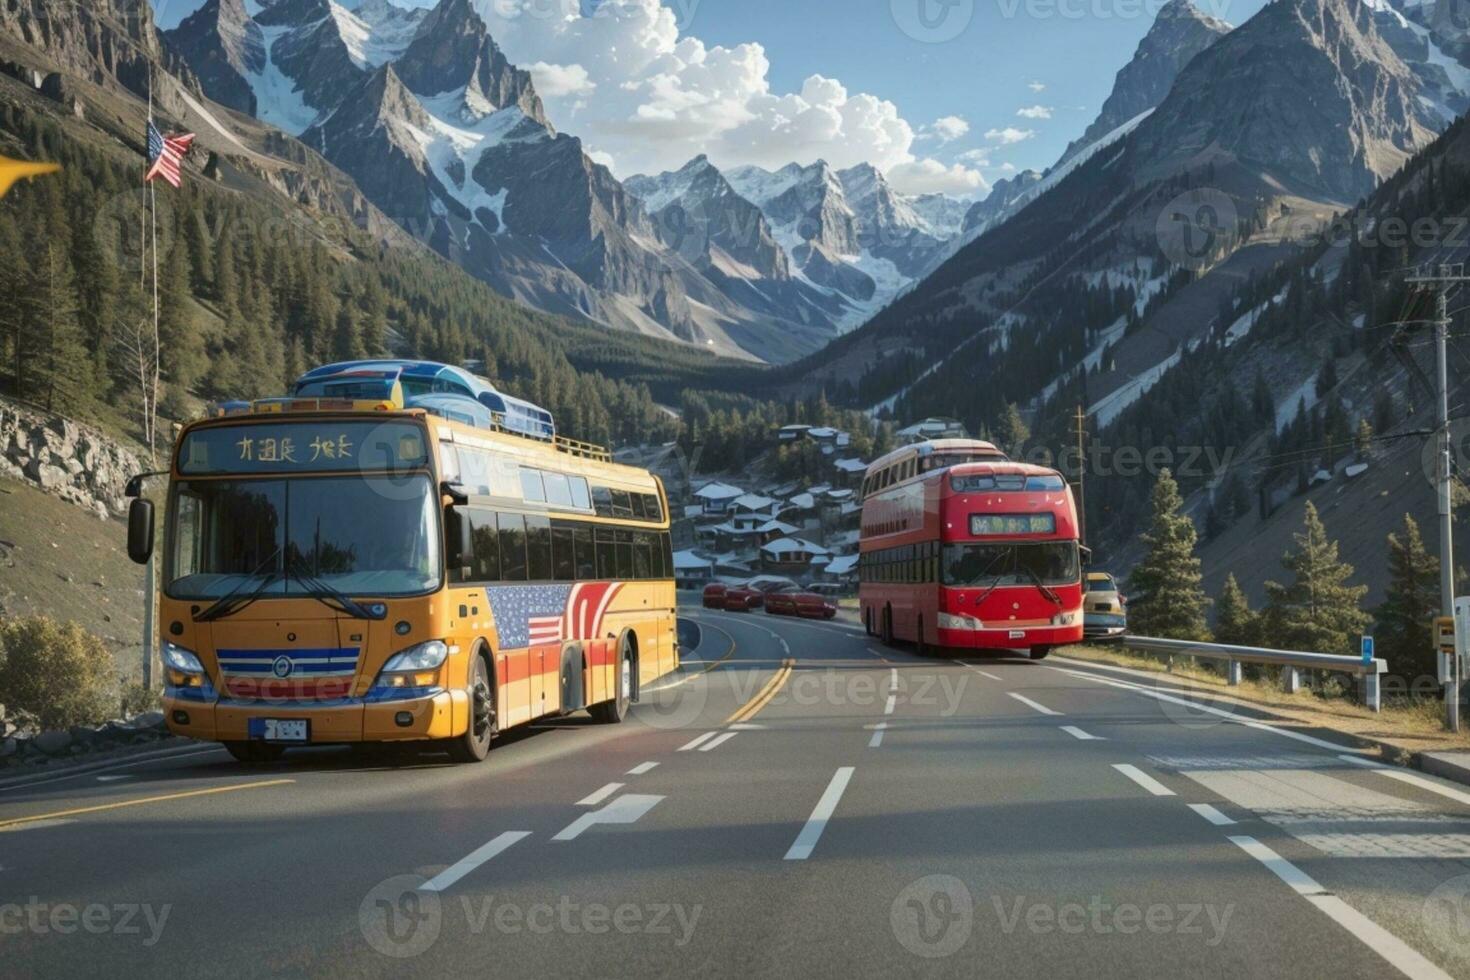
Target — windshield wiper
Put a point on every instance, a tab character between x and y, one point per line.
233	601
327	596
1042	587
996	583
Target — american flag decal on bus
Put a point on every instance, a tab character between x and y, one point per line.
547	615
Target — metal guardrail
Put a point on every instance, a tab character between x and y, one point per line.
1293	660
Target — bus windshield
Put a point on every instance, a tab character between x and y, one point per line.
362	536
984	565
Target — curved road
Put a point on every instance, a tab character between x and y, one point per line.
800	801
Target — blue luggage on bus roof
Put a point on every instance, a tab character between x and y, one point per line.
437	388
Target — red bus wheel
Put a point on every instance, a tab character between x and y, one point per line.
888	626
920	647
1040	652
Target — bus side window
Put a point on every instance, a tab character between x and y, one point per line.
581	499
653	507
625	555
538	547
643	556
668	549
512	547
607	554
531	485
602	501
563	555
585	553
636	500
558	489
485	541
622	506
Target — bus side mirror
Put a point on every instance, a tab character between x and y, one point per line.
457	494
140	530
457	526
1086	556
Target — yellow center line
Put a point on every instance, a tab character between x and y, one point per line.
753	707
8	824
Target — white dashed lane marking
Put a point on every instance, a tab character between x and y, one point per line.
600	795
1211	814
1079	734
817	822
642	768
1143	779
473	860
717	742
626	809
696	742
1032	704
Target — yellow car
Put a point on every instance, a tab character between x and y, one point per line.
1104	609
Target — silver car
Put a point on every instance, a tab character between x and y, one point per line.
1104	609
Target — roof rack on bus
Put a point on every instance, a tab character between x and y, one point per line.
439	389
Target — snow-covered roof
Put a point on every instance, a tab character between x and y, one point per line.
690	560
777	527
839	494
718	491
693	510
842	564
754	501
822	433
851	465
803	501
795	428
782	546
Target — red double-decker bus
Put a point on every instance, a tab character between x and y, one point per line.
964	549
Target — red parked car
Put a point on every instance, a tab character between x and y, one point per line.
743	598
714	595
793	601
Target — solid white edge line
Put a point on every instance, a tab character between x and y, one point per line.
877	740
696	742
600	795
1399	954
642	768
717	742
473	860
1420	780
1143	779
1032	704
1079	734
1211	814
811	832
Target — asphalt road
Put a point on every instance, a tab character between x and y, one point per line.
802	801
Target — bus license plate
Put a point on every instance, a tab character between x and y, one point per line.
1018	634
280	730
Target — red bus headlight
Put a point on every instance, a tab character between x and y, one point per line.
958	621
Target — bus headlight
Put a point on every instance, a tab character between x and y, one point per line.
182	667
418	666
958	621
1064	619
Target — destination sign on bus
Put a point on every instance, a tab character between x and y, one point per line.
997	525
309	447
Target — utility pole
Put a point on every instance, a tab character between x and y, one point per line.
1442	278
1081	419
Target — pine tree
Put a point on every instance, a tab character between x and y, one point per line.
1318	611
1363	439
1412	600
61	377
1168	600
1235	622
1012	432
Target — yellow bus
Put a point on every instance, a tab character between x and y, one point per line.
401	568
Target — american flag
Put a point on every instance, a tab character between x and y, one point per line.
545	615
165	154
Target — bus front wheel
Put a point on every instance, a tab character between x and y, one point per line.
474	744
614	711
888	626
1040	652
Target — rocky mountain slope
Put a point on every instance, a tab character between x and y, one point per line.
426	113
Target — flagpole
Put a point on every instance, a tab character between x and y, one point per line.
150	415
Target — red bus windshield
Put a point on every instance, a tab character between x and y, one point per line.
971	565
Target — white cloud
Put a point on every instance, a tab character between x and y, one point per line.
1009	135
948	128
599	156
1034	112
559	81
933	177
979	158
663	97
1008	167
1037	86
